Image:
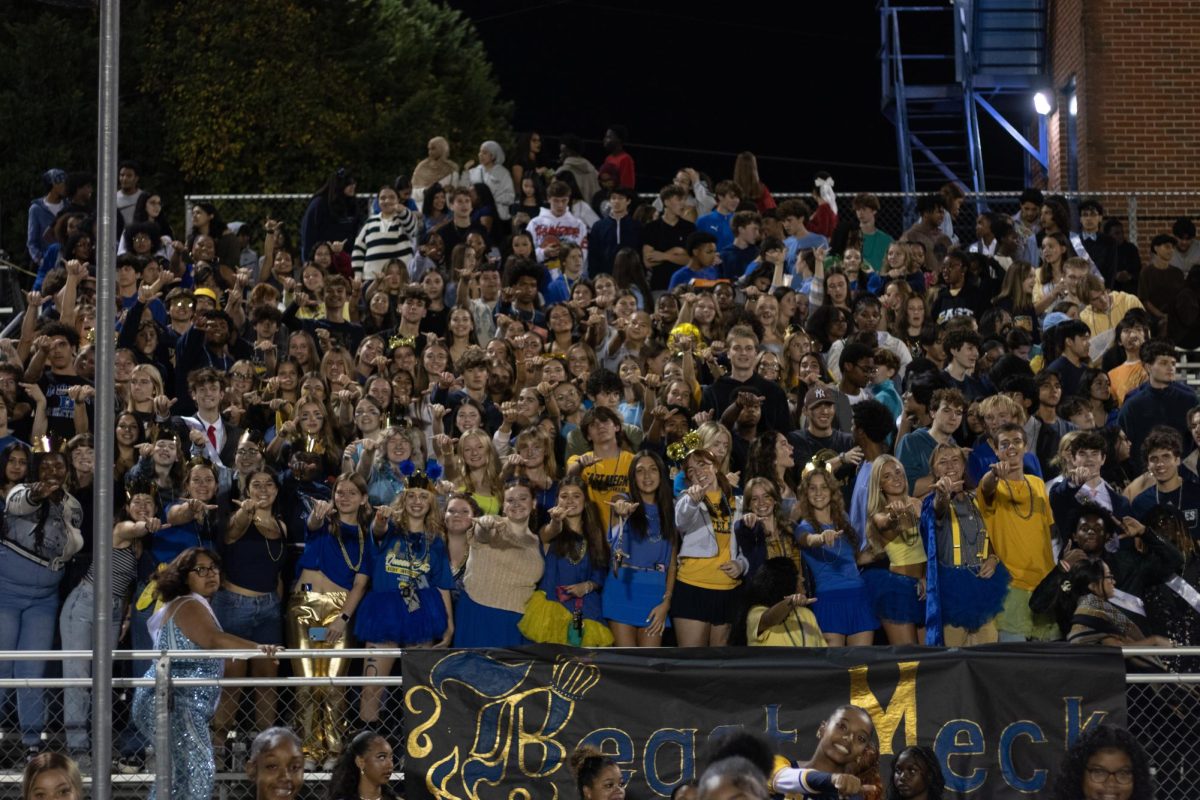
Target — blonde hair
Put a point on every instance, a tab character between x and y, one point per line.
1002	402
491	466
1062	457
539	435
876	501
433	522
708	433
155	378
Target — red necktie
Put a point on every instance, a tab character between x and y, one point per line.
212	435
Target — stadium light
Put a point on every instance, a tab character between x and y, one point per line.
1041	103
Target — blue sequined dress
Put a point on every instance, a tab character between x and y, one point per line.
192	710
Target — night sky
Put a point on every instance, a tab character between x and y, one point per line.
796	83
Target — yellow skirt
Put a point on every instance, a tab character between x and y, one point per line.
546	621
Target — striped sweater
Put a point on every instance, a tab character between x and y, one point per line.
379	241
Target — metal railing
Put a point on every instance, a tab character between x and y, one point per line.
1145	213
235	719
1163	712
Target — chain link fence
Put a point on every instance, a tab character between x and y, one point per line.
1145	214
1163	712
247	706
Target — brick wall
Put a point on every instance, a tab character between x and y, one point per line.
1135	67
1068	37
1138	89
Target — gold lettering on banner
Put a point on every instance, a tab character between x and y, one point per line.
902	708
419	743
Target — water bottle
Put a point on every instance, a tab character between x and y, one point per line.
237	754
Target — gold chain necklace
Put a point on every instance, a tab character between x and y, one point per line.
346	555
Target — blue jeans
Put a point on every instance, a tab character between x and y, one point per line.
28	611
75	626
259	619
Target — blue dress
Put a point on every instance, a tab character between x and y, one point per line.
641	572
192	710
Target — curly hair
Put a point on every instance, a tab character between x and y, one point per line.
172	579
586	765
1072	773
837	507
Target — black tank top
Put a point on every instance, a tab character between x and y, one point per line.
254	562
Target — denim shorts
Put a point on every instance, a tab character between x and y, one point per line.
259	619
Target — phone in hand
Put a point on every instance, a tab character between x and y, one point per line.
318	634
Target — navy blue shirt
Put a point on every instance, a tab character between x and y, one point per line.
736	260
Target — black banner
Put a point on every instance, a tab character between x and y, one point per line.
501	724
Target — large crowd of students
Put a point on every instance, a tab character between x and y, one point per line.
512	402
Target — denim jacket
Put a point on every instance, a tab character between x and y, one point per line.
61	535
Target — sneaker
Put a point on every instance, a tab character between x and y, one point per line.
83	760
130	765
310	765
33	751
329	764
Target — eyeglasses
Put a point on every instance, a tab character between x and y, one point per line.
1124	776
204	572
242	376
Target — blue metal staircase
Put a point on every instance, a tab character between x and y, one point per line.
956	60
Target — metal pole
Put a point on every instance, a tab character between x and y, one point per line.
162	727
102	499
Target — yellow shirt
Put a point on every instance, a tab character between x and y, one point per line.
1099	322
1125	378
798	629
706	572
605	480
906	549
1018	523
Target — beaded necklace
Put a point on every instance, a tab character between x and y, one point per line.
1016	506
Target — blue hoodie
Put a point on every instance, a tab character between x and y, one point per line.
41	219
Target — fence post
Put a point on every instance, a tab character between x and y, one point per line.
162	726
1131	205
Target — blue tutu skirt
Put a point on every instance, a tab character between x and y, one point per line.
894	597
384	617
481	626
968	601
844	611
629	597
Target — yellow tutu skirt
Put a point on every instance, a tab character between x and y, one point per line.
546	621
